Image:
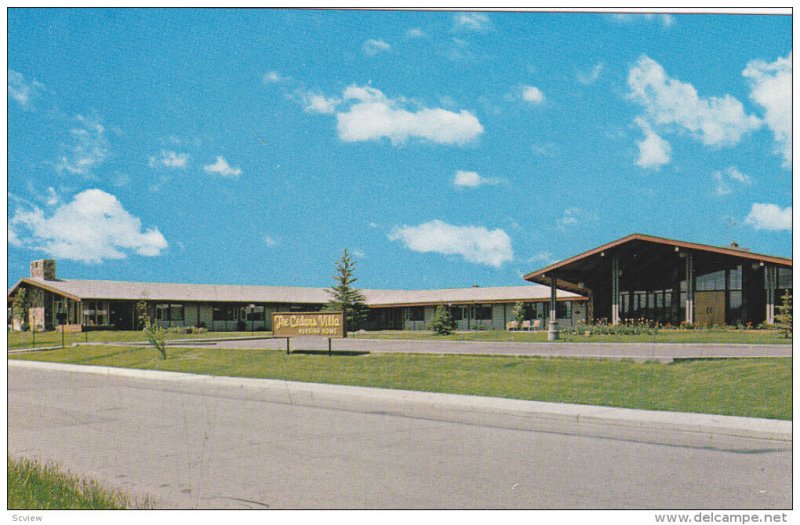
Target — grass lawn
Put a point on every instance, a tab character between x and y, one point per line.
664	336
52	338
754	387
33	486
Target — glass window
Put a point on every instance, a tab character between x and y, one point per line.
711	281
784	278
483	313
735	278
176	312
223	312
457	313
564	309
416	313
255	313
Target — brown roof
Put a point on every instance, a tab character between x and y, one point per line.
744	254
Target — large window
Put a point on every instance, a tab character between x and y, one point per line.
95	313
254	313
564	309
169	312
457	313
416	313
483	313
223	312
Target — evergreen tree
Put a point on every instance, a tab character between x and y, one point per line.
519	313
345	297
784	318
19	308
442	322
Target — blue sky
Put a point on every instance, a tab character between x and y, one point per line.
443	149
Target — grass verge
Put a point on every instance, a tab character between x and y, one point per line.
752	387
25	339
33	486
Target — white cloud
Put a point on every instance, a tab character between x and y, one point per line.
170	159
545	149
715	121
374	46
359	253
89	147
570	217
272	77
474	244
270	241
664	19
771	88
52	196
372	116
726	177
21	90
91	228
316	103
532	94
415	32
653	150
590	77
471	179
472	21
221	167
541	257
769	217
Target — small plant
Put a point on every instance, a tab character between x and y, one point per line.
442	322
518	312
783	321
155	334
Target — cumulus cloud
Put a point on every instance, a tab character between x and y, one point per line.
532	94
270	241
472	179
272	77
91	228
727	178
415	32
474	244
371	115
170	159
771	88
653	150
22	90
472	21
316	103
88	148
715	121
375	46
221	167
769	217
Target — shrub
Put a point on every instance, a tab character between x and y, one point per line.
442	322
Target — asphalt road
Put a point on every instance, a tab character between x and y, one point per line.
639	351
198	443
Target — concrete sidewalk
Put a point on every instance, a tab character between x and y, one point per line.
757	428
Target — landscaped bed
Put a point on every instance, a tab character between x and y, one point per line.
753	387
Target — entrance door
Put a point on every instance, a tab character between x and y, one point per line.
709	307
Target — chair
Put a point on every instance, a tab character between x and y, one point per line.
511	325
537	324
526	325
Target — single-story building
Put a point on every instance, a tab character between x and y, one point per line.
669	281
76	305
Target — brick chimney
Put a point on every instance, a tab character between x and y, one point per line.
43	269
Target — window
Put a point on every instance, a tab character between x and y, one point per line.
735	279
169	312
457	313
223	312
564	309
784	278
95	313
416	313
255	313
483	313
711	281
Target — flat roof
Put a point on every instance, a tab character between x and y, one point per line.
134	291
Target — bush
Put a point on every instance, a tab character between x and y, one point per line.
442	323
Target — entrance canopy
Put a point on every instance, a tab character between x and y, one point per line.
660	277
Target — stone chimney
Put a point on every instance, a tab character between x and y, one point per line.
43	269
735	246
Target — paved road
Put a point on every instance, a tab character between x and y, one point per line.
639	351
222	443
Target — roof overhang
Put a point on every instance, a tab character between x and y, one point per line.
43	286
583	261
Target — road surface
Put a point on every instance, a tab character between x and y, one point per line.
199	443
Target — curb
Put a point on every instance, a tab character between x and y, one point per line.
734	426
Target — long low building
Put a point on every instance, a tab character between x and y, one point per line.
78	305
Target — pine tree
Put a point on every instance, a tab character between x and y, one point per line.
19	308
442	322
345	297
784	318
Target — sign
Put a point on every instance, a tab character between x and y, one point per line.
297	324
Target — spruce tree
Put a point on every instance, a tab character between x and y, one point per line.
784	318
345	297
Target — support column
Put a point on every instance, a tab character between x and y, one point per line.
552	327
615	290
771	277
689	288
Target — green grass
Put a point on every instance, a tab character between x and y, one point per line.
663	336
754	387
25	339
34	486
